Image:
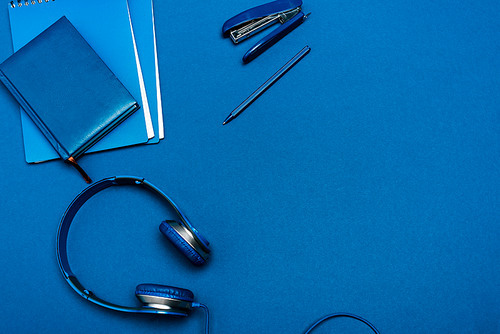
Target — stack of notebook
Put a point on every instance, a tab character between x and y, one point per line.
121	32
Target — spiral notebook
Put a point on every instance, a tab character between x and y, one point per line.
106	26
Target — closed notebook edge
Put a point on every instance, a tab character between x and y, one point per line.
142	85
142	23
129	111
161	126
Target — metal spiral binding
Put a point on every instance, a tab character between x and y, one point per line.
20	3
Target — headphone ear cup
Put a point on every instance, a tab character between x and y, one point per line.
181	244
164	296
164	291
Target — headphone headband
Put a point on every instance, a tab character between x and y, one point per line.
67	219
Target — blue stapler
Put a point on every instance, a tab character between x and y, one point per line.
256	19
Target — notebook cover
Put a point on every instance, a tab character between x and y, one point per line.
66	89
106	27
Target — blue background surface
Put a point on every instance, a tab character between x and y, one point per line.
366	180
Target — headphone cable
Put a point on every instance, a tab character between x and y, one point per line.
317	323
347	315
205	309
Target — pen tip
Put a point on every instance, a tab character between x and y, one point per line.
227	120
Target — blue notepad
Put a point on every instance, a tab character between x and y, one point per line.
143	23
106	27
77	101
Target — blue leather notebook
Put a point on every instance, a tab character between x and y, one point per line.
67	90
105	25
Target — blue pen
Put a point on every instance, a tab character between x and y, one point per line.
267	84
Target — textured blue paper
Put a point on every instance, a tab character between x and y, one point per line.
105	25
365	180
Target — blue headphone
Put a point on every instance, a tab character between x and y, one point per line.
156	299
